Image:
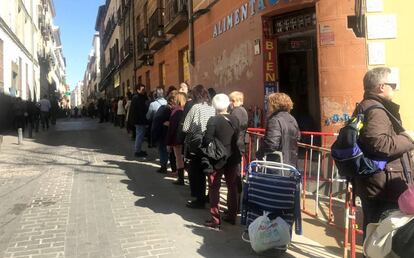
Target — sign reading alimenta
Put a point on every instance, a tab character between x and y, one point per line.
241	14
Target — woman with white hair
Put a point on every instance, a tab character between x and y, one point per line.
225	128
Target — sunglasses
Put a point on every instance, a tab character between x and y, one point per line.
392	85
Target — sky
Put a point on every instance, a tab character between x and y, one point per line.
76	19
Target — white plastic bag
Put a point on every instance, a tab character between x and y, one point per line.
265	234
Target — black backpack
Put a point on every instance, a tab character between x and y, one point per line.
349	157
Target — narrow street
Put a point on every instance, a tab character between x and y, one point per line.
76	191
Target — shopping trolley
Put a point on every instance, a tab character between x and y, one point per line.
272	187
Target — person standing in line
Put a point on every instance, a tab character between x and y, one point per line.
121	112
45	107
225	128
128	125
101	110
173	142
157	103
237	110
19	110
382	138
137	116
282	131
195	124
159	130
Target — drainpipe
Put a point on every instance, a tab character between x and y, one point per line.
190	31
132	6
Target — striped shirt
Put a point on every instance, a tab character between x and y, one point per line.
196	120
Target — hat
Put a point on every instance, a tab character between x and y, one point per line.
406	201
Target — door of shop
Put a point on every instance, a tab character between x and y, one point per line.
298	74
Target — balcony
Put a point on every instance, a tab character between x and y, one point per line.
109	29
142	45
176	17
126	50
156	35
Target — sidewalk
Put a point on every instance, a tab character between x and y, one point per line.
77	191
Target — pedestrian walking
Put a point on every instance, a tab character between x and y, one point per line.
137	116
194	126
282	131
101	110
224	128
129	126
45	107
382	139
121	112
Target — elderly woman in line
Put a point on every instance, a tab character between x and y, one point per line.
225	128
195	123
282	131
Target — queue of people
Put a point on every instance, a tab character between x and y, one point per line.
185	121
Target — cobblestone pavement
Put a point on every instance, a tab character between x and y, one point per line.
77	191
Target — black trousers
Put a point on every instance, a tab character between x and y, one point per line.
197	179
373	209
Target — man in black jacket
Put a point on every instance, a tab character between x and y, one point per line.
137	113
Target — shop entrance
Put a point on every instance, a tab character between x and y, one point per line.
298	67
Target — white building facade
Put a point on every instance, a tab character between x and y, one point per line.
19	37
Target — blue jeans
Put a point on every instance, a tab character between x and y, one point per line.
162	150
140	133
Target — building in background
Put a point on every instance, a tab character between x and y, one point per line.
110	40
51	59
76	96
19	37
92	73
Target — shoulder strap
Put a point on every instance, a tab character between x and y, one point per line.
393	119
396	123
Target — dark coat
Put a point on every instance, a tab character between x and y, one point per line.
220	128
242	116
380	139
138	110
158	129
282	134
175	119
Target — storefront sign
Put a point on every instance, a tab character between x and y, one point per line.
326	35
243	13
269	58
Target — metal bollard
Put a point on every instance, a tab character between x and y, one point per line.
20	136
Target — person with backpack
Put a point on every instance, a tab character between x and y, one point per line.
223	128
382	138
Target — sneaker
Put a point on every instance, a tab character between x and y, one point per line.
178	182
195	204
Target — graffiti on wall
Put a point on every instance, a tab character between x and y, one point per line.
232	66
336	112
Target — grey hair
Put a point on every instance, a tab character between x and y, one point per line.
159	92
374	77
221	102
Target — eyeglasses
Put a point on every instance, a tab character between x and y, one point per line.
392	85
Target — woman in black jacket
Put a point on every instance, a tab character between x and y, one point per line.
225	128
282	131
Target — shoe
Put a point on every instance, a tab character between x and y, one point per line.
195	204
140	154
229	220
211	224
162	170
178	182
